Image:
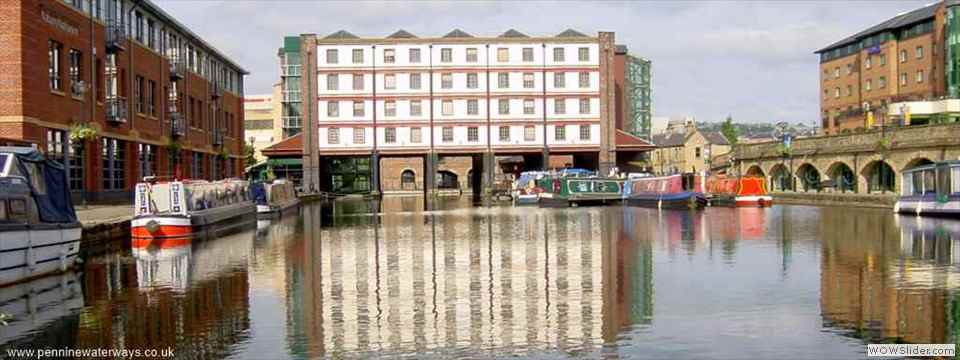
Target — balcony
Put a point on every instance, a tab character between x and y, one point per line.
292	122
115	36
177	124
115	109
217	137
216	91
178	68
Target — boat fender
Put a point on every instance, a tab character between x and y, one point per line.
152	226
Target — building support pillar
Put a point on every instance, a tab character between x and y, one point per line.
375	174
430	174
489	174
546	158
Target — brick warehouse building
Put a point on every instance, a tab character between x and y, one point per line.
159	98
408	113
913	56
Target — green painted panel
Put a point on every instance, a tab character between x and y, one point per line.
291	44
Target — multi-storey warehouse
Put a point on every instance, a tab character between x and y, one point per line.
118	90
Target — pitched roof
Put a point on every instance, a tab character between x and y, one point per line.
401	34
290	146
908	18
513	34
715	137
342	34
629	141
571	33
457	33
669	139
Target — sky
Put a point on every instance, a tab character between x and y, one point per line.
752	60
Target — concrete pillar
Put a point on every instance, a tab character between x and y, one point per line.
430	174
489	173
546	158
375	174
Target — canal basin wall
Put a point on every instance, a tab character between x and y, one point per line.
836	199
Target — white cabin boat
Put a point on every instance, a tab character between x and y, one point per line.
274	198
39	231
174	212
931	190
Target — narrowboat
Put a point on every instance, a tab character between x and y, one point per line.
525	190
738	191
681	191
566	189
39	231
932	189
171	213
274	198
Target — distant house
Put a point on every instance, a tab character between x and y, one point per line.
686	149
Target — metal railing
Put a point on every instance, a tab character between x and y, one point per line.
216	91
115	36
178	68
115	109
177	125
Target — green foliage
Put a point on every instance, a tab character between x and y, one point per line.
174	148
81	131
730	131
884	144
248	158
784	150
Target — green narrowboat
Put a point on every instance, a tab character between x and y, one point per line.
564	191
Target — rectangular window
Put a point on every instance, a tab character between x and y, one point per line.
528	108
333	82
331	56
528	80
416	135
471	55
390	108
389	56
849	69
390	135
529	133
357	56
151	98
446	55
584	106
113	153
473	107
836	72
584	79
76	71
559	106
919	52
504	133
882	82
414	56
390	81
53	66
333	109
358	81
559	80
504	106
447	134
903	78
583	54
447	107
527	54
473	134
868	85
503	55
333	136
868	62
472	81
903	56
139	26
558	54
560	133
883	59
836	92
138	93
584	132
446	81
416	108
358	108
919	76
415	82
503	80
359	136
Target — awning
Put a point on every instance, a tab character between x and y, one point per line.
285	162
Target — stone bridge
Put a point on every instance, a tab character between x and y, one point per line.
866	162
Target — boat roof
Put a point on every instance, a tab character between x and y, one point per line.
947	163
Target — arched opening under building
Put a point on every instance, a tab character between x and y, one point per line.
843	177
781	179
880	177
809	177
447	180
917	162
408	180
755	171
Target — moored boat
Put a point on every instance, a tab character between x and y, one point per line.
932	189
738	191
39	231
170	213
525	190
681	191
578	188
274	198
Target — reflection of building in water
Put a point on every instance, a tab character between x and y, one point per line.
198	304
37	307
866	287
483	278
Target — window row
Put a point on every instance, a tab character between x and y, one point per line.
882	59
447	107
471	55
919	78
471	81
473	134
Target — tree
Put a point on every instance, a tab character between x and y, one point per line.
248	158
729	131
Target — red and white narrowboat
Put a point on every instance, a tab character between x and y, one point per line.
738	191
171	213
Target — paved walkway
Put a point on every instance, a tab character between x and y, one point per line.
99	214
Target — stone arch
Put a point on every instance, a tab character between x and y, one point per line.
780	178
879	176
917	161
809	177
447	179
843	177
755	170
408	179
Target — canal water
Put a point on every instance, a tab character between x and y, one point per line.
467	281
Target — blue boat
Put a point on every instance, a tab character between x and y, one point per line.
932	189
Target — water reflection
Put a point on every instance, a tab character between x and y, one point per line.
40	306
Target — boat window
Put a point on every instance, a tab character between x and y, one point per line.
908	186
3	210
929	182
955	179
3	163
18	210
943	181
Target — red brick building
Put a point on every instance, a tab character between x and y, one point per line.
161	101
